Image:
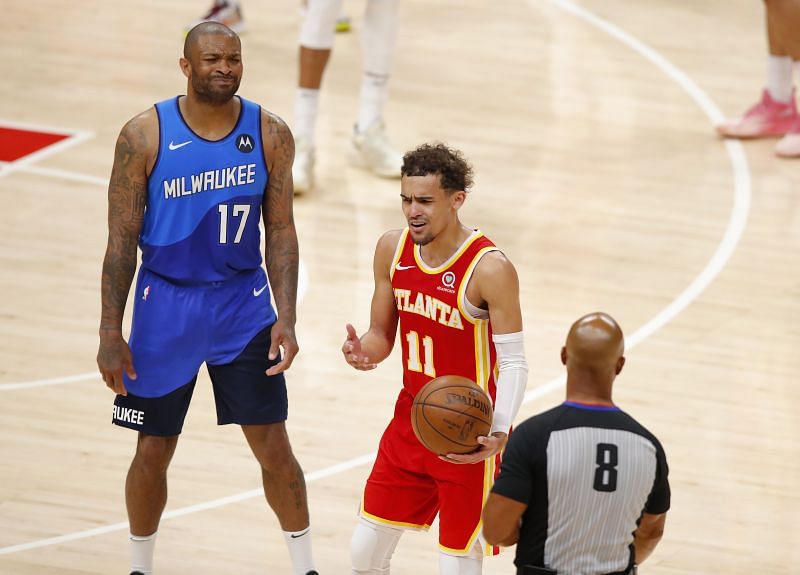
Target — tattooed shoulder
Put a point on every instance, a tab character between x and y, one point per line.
277	140
138	140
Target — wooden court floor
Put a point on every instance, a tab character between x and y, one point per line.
590	128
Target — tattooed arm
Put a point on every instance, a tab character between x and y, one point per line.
127	196
280	237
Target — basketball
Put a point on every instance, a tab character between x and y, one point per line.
449	413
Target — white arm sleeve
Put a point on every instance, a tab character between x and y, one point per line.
511	381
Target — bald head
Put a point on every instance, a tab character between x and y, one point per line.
595	340
202	30
593	353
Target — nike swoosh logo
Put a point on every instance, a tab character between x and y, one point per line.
295	535
176	146
401	268
258	292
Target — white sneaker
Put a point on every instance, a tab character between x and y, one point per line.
303	166
227	12
371	150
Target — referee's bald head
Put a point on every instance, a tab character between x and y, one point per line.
595	344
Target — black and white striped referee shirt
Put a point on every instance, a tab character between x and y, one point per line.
586	472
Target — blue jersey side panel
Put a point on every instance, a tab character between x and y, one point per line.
204	200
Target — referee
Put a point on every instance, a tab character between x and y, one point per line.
583	488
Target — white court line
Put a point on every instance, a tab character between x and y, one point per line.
65	175
302	288
74	137
733	233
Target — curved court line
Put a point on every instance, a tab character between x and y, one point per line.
741	183
733	233
302	288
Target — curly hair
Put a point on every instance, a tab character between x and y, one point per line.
454	171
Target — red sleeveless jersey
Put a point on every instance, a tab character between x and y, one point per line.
438	334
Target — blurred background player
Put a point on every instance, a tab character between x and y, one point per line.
369	147
583	487
775	115
229	12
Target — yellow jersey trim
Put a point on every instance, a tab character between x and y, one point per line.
439	269
397	253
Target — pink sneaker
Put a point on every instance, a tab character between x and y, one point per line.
226	12
766	119
789	145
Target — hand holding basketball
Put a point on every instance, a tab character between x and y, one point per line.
451	415
490	445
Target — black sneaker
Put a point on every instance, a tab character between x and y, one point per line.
136	573
309	573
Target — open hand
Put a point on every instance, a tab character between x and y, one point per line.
351	349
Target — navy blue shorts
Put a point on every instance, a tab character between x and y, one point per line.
243	393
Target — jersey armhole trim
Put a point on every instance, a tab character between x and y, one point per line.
398	251
263	150
160	140
462	288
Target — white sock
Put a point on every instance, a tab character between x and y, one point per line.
378	43
299	544
142	548
779	78
374	92
306	104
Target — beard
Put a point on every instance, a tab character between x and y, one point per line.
212	93
422	240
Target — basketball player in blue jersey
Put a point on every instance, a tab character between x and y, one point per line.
583	488
191	177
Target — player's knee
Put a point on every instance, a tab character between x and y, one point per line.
362	547
155	452
371	547
274	451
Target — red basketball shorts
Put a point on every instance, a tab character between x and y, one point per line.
409	485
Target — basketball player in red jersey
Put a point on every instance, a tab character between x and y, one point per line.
455	297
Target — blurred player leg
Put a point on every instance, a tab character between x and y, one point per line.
776	112
316	41
785	18
371	148
227	12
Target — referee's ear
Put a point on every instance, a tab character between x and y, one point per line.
564	355
620	364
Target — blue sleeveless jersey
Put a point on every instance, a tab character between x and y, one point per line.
204	199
